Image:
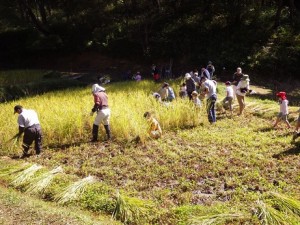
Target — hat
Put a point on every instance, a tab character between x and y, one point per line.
245	77
17	107
209	62
194	93
187	76
228	83
165	84
282	95
156	95
97	88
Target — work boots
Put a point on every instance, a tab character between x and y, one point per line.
107	130
95	133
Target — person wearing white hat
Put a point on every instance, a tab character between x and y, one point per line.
102	110
190	85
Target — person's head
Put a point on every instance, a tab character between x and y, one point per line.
239	70
183	84
194	94
97	88
187	76
18	109
156	96
209	63
281	95
203	79
245	77
165	85
147	115
195	71
227	83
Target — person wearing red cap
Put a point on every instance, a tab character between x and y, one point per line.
284	111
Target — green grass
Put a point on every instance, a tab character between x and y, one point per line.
195	173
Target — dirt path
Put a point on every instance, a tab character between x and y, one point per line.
18	209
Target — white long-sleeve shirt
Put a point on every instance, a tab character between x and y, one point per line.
27	118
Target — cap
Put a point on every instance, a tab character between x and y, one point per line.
187	76
195	93
165	84
228	83
282	95
17	107
245	77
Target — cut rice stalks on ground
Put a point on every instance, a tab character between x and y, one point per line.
285	203
39	185
215	219
26	175
74	191
267	215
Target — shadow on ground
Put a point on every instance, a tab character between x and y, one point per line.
295	150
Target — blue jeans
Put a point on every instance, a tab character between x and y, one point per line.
210	108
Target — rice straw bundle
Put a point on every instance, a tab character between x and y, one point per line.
219	218
285	203
74	190
268	215
39	185
25	176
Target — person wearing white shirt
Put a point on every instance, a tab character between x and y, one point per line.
284	110
29	124
227	101
241	91
210	90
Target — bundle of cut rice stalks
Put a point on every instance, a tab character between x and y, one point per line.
214	219
267	215
39	185
286	204
25	176
74	191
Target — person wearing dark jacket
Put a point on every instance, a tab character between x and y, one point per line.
102	110
190	85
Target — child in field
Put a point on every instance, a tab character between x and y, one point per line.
195	99
154	130
227	101
182	91
284	111
296	133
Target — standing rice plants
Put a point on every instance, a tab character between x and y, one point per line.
39	185
74	191
26	175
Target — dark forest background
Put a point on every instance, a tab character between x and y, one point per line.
262	36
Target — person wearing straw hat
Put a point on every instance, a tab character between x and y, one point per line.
102	110
29	124
241	90
284	111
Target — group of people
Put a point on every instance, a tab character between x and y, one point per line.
193	88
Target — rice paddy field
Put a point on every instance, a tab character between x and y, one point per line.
237	171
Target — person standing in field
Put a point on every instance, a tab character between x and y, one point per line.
190	85
210	90
102	110
154	129
210	68
237	76
241	90
284	111
196	100
227	101
29	124
296	132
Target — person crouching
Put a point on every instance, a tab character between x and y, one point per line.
102	110
154	130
